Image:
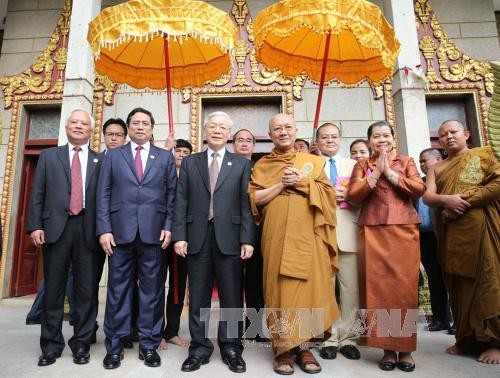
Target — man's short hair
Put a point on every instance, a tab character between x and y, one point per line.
219	114
240	130
432	151
92	121
303	140
182	143
328	124
140	110
115	121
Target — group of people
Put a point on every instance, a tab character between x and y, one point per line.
288	231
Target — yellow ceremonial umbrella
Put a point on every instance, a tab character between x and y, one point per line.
329	40
162	44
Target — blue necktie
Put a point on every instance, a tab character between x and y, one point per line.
333	172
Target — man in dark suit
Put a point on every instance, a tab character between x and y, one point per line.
253	283
134	216
214	228
62	221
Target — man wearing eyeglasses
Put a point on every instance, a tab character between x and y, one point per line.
135	199
115	132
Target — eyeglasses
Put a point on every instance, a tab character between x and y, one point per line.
116	135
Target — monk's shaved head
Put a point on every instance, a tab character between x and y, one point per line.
454	122
281	118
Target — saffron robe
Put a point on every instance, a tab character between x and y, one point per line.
299	248
470	247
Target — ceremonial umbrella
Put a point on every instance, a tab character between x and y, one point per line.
347	41
162	44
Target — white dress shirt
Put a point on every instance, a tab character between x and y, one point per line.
327	165
221	153
144	152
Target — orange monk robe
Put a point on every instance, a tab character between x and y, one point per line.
470	247
299	249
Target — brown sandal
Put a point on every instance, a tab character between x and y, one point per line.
305	358
285	359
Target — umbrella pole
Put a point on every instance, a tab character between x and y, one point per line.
169	87
322	81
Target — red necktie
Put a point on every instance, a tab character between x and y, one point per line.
76	197
138	163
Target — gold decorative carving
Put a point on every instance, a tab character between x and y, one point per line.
454	66
104	93
389	106
241	51
239	11
197	94
41	77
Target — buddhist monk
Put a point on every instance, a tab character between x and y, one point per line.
465	189
292	197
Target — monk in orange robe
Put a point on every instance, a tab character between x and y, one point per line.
465	188
293	198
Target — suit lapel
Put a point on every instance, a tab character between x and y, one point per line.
153	155
63	155
227	164
202	166
126	150
92	161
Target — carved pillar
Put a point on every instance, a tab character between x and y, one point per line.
79	81
408	89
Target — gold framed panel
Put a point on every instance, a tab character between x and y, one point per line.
199	94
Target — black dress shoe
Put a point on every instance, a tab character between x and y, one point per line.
452	329
437	325
32	321
350	352
406	366
193	363
112	361
387	365
328	353
127	343
234	361
48	358
150	356
81	356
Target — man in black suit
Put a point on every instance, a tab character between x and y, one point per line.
243	145
213	227
62	221
135	198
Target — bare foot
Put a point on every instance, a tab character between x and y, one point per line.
454	349
490	356
163	345
176	340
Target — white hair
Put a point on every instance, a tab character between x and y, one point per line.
92	121
219	114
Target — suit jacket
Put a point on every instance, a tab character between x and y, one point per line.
233	221
347	226
126	206
50	195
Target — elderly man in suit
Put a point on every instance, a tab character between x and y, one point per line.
135	198
62	221
214	229
338	169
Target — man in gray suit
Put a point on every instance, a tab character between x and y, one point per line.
214	229
62	221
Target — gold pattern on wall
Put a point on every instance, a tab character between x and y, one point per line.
46	74
104	93
249	73
441	53
448	70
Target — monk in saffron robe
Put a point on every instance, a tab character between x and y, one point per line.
294	200
465	188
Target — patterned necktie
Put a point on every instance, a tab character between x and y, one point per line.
138	163
213	171
333	172
76	196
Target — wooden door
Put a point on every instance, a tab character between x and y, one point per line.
25	266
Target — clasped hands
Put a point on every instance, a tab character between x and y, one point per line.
180	248
291	177
455	205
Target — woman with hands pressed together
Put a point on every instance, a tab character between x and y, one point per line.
386	185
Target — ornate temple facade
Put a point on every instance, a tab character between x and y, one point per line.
46	70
